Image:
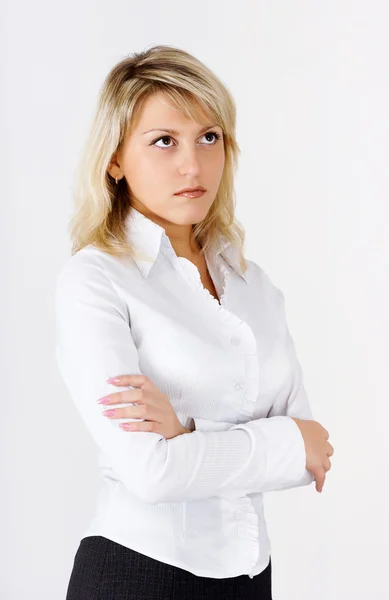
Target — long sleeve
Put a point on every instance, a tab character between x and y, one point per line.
292	399
94	342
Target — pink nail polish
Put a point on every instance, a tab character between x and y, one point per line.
104	400
113	380
109	413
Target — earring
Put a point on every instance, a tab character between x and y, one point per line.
116	180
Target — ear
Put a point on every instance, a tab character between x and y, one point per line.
113	167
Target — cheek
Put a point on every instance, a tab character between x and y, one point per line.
147	173
213	166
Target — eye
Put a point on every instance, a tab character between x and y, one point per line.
216	135
165	137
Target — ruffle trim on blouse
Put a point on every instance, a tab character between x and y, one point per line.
192	274
248	529
238	327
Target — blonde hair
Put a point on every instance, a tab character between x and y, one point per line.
101	205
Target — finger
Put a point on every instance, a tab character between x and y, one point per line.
124	396
129	412
150	426
320	476
330	449
137	380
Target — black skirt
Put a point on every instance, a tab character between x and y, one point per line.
106	570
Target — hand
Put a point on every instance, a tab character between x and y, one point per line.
152	405
317	448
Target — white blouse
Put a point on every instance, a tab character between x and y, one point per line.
194	501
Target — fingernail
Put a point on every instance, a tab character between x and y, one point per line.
113	380
104	400
108	413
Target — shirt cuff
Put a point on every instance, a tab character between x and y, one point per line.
285	453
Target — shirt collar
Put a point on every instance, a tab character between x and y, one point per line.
147	236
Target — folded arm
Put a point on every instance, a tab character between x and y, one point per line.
94	343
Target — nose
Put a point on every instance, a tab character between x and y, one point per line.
189	162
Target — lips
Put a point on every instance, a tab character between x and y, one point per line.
191	190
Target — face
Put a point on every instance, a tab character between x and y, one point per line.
157	164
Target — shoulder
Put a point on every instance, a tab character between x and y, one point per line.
263	283
80	268
91	263
269	300
87	278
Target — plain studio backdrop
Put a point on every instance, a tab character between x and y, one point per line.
310	80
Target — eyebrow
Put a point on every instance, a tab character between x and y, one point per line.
174	132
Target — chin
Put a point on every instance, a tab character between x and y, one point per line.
193	210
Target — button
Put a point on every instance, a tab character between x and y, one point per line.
238	514
235	341
239	386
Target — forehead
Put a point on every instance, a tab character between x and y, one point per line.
157	111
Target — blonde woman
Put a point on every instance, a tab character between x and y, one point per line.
175	348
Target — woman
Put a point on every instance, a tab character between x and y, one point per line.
164	323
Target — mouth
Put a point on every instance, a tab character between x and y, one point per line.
193	192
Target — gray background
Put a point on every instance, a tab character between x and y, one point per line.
310	80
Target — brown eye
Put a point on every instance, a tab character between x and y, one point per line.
162	139
165	137
216	136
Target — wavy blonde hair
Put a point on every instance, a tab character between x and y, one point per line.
101	205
